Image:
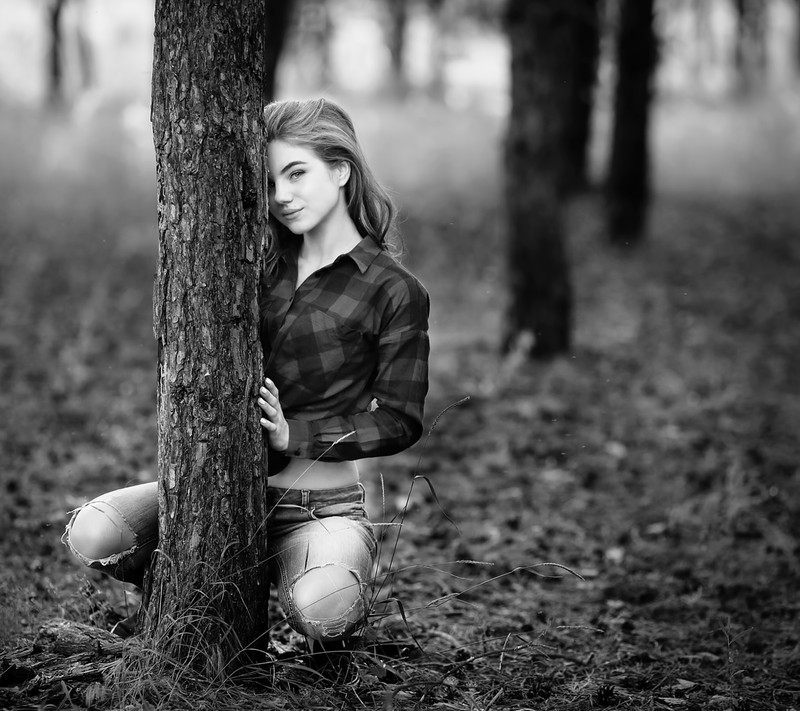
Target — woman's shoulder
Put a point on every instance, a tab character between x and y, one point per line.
400	296
396	277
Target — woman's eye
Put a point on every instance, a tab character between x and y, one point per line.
295	174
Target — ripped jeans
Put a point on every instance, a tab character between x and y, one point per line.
321	550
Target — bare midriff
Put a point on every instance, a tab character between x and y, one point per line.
308	474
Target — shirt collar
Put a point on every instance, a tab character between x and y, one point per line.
363	254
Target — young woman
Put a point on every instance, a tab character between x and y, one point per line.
344	331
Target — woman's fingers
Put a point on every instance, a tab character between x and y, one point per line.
268	410
273	421
270	405
271	414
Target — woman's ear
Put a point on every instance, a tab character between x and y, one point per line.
343	172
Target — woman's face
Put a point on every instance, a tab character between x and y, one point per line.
303	190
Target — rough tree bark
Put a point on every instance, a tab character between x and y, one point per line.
209	588
540	293
628	180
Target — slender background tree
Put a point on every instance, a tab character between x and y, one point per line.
436	85
628	179
797	38
396	32
209	589
70	66
542	86
55	54
581	51
278	17
750	49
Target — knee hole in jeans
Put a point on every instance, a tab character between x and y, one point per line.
98	531
328	593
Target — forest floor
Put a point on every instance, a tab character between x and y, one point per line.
657	462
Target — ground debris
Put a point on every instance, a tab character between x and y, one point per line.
67	659
66	637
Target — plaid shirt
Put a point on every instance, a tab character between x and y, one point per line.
348	352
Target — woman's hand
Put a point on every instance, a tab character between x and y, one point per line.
273	421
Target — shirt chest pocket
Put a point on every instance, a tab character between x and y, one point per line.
328	348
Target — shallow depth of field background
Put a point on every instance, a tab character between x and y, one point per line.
659	459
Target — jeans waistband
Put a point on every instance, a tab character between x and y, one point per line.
353	493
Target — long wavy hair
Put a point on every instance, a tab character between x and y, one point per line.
326	129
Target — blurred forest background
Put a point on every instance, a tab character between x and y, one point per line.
655	454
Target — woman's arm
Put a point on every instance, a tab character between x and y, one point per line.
398	391
394	424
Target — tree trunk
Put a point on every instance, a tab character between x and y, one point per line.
628	182
208	591
438	52
396	40
315	30
540	295
85	51
278	16
703	43
580	51
797	37
750	50
55	54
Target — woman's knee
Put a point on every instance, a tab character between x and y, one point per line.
329	600
98	532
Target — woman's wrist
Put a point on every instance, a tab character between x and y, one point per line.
280	442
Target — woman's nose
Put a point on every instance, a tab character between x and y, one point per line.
281	194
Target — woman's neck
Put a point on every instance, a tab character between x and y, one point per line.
337	235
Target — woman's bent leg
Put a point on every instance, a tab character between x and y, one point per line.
322	564
117	532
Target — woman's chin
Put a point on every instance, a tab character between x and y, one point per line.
294	229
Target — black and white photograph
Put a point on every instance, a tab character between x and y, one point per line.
399	355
